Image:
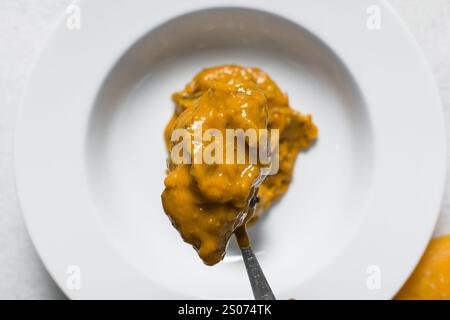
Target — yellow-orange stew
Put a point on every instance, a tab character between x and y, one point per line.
206	203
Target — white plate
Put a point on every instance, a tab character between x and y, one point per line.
90	157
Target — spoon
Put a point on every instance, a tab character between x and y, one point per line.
260	286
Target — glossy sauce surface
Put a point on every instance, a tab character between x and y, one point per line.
208	202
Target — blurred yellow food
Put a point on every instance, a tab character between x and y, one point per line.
431	278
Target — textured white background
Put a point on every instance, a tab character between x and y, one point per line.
25	24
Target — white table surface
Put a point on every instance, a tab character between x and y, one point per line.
25	24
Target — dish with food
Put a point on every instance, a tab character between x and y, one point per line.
208	202
90	159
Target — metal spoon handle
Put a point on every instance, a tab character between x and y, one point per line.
260	286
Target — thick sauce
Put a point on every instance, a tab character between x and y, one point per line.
208	202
